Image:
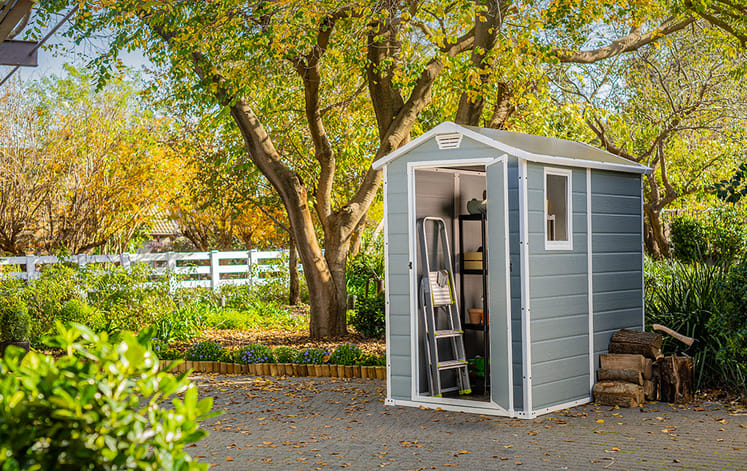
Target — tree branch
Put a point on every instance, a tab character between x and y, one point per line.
634	40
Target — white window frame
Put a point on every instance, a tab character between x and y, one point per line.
559	244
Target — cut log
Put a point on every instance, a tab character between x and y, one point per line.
618	393
637	337
648	368
648	351
649	390
676	379
624	362
620	374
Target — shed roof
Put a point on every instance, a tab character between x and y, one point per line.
529	147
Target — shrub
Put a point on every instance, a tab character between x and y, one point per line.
14	319
159	347
205	351
47	295
77	311
689	239
312	356
254	353
345	354
365	264
285	354
367	359
369	319
727	236
101	412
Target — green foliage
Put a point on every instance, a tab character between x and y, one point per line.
718	238
254	353
312	356
733	189
76	311
369	318
703	302
254	314
367	263
182	323
49	294
345	354
689	238
14	319
98	407
205	351
285	354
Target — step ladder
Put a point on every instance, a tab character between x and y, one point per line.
437	294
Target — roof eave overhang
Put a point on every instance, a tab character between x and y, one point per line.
449	127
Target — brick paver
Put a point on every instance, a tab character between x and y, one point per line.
323	423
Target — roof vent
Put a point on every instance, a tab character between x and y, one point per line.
449	141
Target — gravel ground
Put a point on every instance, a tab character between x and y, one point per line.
322	423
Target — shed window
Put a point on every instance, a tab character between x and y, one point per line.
558	211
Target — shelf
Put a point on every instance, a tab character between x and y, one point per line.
473	326
471	217
473	272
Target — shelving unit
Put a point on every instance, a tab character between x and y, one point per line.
471	273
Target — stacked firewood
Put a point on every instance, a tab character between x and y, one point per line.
627	377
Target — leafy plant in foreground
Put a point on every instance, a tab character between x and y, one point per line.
98	407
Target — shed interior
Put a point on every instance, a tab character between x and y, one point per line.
444	192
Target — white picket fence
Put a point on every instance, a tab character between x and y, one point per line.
192	269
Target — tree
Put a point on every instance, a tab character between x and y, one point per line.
85	171
267	64
679	108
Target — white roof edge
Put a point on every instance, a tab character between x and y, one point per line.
448	126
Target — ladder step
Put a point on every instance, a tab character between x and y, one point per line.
451	364
445	334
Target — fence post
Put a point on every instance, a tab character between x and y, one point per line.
82	261
249	262
214	270
30	268
171	270
124	261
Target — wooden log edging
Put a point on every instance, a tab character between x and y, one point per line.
276	369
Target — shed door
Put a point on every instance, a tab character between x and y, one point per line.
498	287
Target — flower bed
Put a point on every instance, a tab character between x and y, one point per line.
345	361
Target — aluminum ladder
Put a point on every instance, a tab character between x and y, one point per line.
437	293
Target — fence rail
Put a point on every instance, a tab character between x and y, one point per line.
193	269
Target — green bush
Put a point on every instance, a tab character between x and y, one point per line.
205	351
312	356
345	354
77	311
254	353
14	320
98	407
254	315
689	239
369	318
365	264
285	354
727	236
46	296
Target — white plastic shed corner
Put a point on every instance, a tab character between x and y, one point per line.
538	273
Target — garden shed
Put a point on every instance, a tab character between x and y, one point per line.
511	259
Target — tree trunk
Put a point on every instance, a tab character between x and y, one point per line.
294	290
655	240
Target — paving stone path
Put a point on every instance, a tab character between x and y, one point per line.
328	423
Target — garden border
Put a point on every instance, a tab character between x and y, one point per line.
274	369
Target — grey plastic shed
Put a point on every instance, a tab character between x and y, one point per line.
563	263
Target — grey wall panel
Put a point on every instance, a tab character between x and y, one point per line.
614	183
400	365
555	286
559	299
616	204
618	253
611	281
555	328
397	200
617	262
515	250
400	387
397	181
399	243
616	223
400	323
562	306
616	243
398	284
556	349
573	389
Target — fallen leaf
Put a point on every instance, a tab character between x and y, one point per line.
462	452
228	458
600	421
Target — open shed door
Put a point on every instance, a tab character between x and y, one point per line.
499	311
